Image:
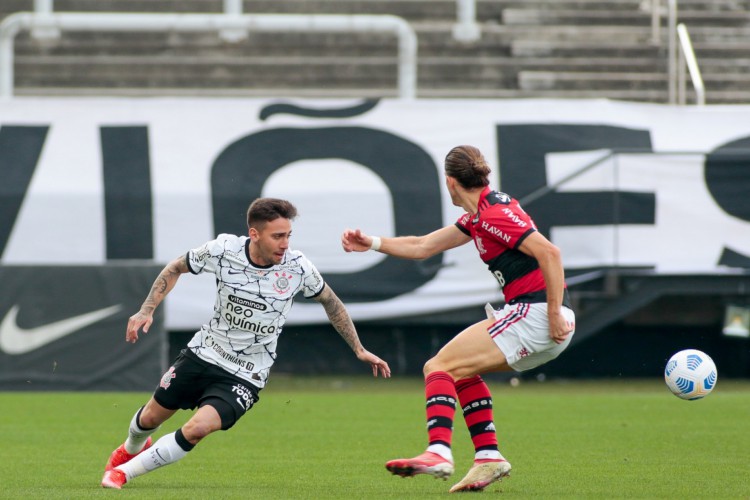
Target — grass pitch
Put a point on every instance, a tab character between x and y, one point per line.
328	438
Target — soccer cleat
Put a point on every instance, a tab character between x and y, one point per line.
482	474
426	463
114	478
120	456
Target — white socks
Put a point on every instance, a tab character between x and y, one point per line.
136	435
446	453
441	450
488	455
163	452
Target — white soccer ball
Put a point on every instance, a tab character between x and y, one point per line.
690	374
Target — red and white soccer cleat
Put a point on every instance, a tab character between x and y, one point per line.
114	478
120	456
426	463
482	474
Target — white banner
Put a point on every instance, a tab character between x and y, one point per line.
70	197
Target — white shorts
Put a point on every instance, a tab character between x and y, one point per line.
521	331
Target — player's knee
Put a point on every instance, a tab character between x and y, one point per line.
147	421
194	431
228	413
432	365
152	415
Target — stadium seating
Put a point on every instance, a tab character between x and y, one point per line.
528	48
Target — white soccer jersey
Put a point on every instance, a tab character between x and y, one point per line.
252	304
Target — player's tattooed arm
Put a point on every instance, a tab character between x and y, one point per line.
164	283
343	324
339	317
141	321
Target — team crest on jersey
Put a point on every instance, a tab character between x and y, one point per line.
166	379
281	284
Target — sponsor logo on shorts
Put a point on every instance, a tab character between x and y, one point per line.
244	398
166	379
523	352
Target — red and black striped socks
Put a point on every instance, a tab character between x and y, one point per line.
440	392
476	404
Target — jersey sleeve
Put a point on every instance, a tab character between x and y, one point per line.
510	224
312	281
205	258
463	224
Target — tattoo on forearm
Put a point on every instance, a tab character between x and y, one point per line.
161	284
340	320
161	287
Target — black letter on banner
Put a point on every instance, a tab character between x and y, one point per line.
522	150
727	174
241	170
127	192
20	148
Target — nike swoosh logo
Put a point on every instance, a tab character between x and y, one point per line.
17	340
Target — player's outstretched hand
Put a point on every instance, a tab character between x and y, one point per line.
138	321
377	364
354	240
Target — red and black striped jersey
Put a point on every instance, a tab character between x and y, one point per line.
498	228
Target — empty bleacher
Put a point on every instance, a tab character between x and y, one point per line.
528	48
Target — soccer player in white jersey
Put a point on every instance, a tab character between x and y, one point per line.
227	362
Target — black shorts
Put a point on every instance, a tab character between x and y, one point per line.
191	382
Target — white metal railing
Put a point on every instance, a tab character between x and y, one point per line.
672	49
46	23
687	59
233	8
44	8
680	52
654	6
466	28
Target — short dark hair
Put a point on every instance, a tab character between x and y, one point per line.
467	165
265	210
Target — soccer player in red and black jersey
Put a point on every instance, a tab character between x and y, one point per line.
535	325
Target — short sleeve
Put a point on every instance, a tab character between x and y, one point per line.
205	257
463	224
510	225
312	281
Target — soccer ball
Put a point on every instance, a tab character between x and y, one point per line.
690	374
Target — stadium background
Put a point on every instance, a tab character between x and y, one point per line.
581	49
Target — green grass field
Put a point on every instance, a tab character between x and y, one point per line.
328	438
